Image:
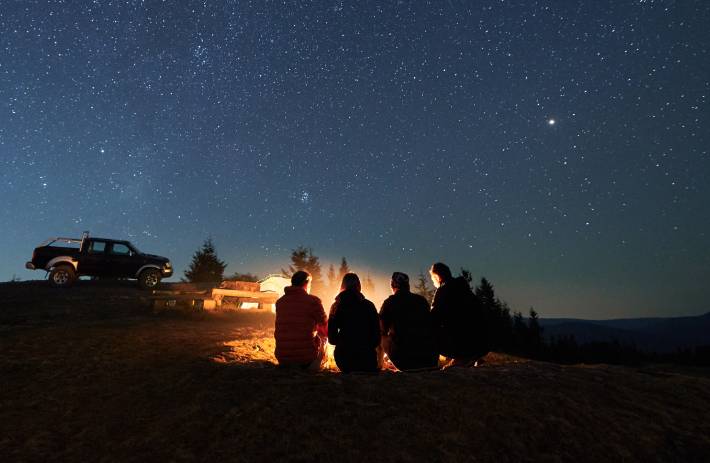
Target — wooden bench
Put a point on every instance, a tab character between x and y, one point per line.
264	300
190	301
203	300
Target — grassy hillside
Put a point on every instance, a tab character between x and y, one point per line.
91	374
648	334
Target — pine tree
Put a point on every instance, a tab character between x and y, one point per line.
344	268
520	333
299	260
486	294
302	258
205	267
535	340
466	274
332	280
368	286
503	327
243	277
423	289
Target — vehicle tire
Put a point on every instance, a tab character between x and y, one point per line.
62	276
149	278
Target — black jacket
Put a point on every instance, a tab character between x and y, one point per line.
354	330
457	317
407	323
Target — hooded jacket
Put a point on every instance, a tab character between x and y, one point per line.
354	330
456	315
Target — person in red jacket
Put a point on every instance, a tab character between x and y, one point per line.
301	325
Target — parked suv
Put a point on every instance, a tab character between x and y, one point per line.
68	258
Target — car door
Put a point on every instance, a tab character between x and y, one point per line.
92	262
121	260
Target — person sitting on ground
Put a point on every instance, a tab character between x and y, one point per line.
407	336
301	326
456	316
354	328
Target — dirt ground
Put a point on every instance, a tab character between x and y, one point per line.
92	374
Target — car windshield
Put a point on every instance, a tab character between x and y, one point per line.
134	248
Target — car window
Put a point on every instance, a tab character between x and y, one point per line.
97	247
64	243
120	249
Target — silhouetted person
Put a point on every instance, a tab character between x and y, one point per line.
354	328
456	316
301	326
407	335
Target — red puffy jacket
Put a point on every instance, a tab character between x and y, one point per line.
299	317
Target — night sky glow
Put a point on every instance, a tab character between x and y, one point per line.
558	148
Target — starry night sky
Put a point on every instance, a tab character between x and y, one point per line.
559	148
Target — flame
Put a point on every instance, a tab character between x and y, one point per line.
330	358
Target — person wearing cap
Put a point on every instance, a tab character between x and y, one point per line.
354	329
457	317
405	321
301	326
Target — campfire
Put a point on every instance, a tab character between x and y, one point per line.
257	347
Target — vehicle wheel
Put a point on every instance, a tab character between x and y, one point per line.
62	276
149	278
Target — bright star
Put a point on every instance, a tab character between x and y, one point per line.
551	122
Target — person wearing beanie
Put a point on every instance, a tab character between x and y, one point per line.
405	321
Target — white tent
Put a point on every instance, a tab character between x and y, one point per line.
274	284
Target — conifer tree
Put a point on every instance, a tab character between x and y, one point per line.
423	289
368	286
496	315
520	333
486	294
205	267
466	274
302	258
243	277
344	268
535	340
333	283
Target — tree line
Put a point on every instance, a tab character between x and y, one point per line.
508	330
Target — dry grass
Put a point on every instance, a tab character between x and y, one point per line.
92	375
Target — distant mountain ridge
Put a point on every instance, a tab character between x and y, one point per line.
655	334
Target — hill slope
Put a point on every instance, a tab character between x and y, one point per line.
101	378
650	334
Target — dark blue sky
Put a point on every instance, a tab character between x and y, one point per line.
558	148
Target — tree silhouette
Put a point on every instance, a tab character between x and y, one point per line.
520	333
496	316
368	286
486	294
302	258
243	277
423	288
535	341
344	268
205	267
332	280
468	276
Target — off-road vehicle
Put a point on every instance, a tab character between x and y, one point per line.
66	259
